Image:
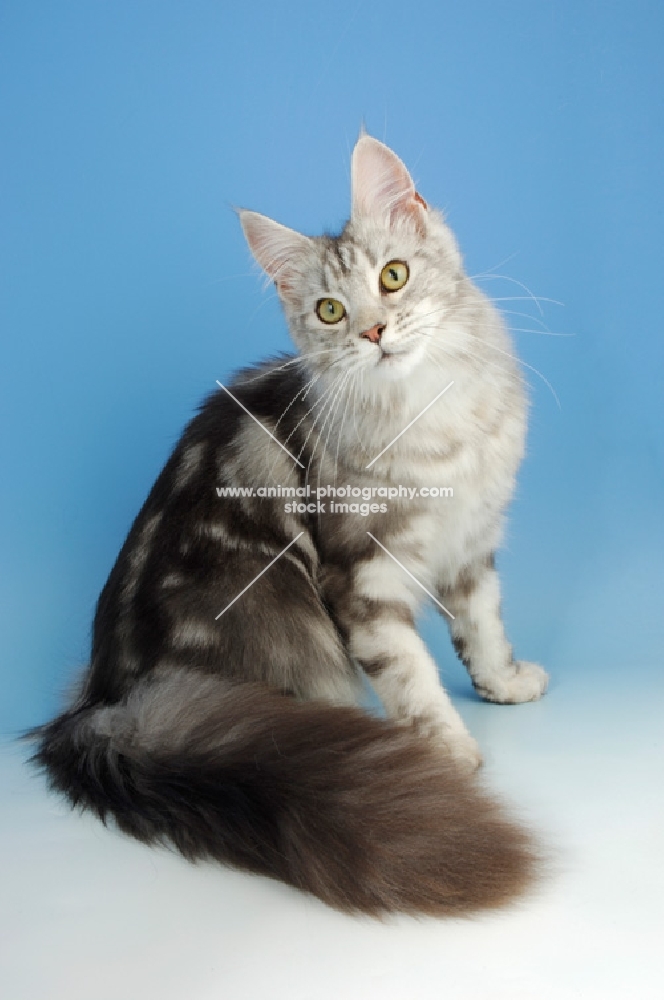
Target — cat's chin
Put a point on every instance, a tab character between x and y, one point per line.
395	365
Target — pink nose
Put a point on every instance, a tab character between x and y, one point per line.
374	334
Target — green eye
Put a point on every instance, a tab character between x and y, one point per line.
394	276
330	310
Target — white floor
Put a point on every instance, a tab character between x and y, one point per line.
87	914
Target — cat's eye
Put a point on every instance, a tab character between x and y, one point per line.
394	276
330	310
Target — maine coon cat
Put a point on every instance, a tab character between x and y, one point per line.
228	726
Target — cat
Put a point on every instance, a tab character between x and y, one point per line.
221	709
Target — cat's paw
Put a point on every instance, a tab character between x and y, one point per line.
524	682
452	738
464	751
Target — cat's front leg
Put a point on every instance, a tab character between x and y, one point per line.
479	638
384	642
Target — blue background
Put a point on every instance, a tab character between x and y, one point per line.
129	129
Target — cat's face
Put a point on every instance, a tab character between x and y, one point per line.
373	299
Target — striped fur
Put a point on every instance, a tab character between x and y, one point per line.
239	737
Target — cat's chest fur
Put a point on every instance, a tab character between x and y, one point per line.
454	468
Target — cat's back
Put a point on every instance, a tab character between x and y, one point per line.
200	521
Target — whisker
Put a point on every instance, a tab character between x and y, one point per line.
523	298
336	402
323	399
542	333
352	373
544	328
518	361
341	395
492	270
264	301
304	392
293	361
515	281
510	372
358	391
336	387
523	315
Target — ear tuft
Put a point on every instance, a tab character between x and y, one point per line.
382	188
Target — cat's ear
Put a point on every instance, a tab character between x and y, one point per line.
382	188
281	252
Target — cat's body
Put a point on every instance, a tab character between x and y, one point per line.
233	735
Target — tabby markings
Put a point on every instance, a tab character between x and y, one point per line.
259	424
413	578
217	617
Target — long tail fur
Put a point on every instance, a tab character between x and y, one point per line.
362	813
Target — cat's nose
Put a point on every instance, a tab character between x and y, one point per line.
374	334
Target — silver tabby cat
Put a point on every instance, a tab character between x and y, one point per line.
229	726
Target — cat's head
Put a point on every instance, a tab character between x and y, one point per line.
376	296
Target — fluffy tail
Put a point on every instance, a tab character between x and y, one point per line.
363	814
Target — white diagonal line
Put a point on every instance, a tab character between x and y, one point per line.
414	578
258	577
407	426
259	423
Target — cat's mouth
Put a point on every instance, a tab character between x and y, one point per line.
396	364
391	356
